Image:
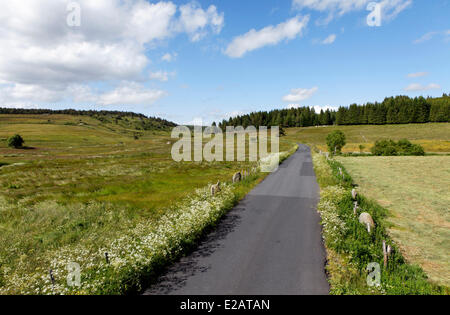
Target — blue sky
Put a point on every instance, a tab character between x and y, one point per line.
209	75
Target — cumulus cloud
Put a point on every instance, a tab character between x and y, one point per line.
11	94
298	95
127	93
42	59
415	87
270	35
162	76
194	20
417	74
130	93
329	40
390	8
169	57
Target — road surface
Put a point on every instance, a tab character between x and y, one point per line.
269	244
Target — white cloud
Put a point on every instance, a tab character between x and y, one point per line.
317	109
430	35
329	40
417	74
298	95
390	8
169	57
42	59
194	20
130	94
270	35
324	108
414	87
425	37
127	93
23	93
162	76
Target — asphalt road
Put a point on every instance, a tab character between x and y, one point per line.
269	244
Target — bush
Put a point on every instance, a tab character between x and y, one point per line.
15	141
336	141
392	148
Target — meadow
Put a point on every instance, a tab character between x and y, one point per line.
353	250
415	191
84	186
81	183
434	137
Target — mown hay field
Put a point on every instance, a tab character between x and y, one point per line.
434	137
416	192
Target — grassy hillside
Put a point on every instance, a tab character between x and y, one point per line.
415	190
434	137
81	183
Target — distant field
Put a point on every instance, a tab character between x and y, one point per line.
85	182
416	191
435	138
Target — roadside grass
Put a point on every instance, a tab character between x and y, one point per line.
434	137
415	191
351	248
88	187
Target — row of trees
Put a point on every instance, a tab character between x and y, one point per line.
296	117
393	110
396	110
140	121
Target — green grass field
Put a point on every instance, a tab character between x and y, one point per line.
415	191
435	138
81	183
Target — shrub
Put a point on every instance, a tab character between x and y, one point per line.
336	141
392	148
361	148
384	148
407	148
16	141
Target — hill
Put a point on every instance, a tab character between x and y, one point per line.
434	137
121	120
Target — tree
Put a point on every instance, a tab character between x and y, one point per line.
361	148
15	141
336	141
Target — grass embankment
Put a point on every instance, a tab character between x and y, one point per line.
351	248
415	191
87	187
433	137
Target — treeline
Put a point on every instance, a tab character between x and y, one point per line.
393	110
143	122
